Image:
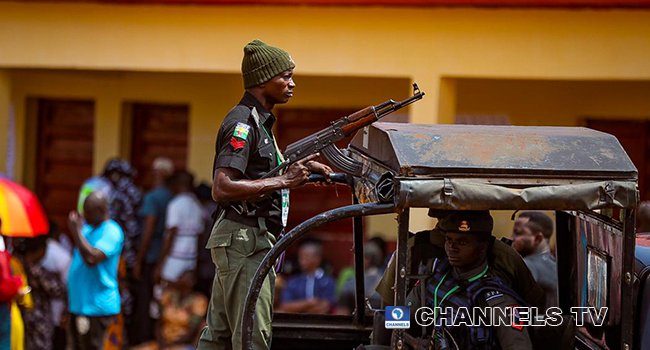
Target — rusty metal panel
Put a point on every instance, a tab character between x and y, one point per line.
487	151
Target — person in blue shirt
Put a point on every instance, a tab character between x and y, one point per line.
152	211
93	294
313	291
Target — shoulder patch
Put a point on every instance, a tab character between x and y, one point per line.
241	131
516	323
493	294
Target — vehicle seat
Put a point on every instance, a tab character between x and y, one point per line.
380	335
560	337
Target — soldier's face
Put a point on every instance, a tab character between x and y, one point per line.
279	89
522	237
464	251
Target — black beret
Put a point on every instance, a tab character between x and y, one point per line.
468	221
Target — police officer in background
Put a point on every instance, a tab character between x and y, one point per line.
466	279
252	211
531	235
504	260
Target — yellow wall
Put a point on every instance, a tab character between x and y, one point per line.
563	103
109	90
423	44
5	98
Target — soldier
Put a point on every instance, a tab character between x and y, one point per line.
465	279
505	261
252	211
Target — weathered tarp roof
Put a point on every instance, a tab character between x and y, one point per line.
568	152
494	167
465	195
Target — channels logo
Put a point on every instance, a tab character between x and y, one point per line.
398	317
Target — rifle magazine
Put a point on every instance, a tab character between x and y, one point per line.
341	161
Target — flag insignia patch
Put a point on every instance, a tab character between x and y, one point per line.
241	131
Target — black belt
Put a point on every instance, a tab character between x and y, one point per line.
251	221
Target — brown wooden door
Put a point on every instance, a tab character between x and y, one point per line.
308	201
64	155
158	130
634	137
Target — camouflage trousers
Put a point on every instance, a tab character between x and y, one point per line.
237	250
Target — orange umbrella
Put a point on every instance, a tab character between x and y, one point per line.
21	213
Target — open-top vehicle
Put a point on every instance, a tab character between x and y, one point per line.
583	175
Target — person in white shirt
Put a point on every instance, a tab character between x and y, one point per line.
184	224
57	259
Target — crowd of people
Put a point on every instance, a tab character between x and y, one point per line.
133	272
315	289
130	273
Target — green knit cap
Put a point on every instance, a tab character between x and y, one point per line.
262	62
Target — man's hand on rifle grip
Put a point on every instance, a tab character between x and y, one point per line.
298	174
320	168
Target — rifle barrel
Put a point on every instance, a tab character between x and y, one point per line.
399	105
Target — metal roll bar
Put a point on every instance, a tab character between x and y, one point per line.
317	221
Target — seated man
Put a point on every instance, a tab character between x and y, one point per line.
183	316
372	259
312	291
465	279
505	261
530	236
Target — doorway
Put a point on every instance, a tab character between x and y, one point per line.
157	130
64	154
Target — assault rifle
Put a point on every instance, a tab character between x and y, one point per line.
323	141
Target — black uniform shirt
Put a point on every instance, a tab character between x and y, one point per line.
247	145
510	337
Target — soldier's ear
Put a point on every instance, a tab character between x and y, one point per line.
484	246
